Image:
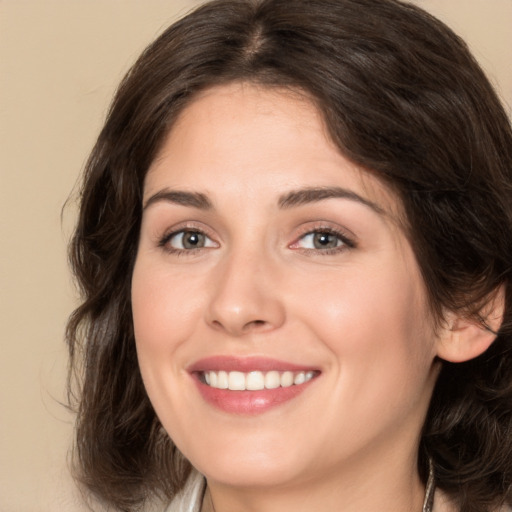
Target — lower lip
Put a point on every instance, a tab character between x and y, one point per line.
249	402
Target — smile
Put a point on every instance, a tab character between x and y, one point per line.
250	385
254	380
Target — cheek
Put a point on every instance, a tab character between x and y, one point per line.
373	319
165	313
373	324
164	308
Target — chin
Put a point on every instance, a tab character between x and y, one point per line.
247	461
244	473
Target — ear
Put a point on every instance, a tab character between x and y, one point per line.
464	338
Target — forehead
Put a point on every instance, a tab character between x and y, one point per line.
243	136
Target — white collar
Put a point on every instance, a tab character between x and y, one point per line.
189	499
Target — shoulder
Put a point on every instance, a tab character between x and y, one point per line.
190	497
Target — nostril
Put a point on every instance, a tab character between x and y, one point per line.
254	324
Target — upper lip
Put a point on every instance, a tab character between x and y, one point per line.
246	364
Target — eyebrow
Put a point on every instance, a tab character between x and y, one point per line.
312	195
192	199
289	200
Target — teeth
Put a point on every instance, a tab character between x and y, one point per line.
236	381
254	381
287	379
223	381
272	380
299	378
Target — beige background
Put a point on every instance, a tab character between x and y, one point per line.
60	61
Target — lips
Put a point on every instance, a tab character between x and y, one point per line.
249	385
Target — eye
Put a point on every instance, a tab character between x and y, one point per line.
320	240
186	240
325	240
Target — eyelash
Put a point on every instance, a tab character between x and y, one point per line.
346	242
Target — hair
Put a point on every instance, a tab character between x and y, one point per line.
402	97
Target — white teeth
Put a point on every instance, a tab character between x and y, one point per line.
236	381
222	380
300	378
256	380
272	380
286	379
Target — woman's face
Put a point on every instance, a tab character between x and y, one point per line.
271	264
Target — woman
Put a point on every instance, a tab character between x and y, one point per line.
295	247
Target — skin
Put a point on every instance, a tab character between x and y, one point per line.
260	287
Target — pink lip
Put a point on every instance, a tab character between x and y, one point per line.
247	402
245	364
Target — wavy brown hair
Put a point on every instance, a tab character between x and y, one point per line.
402	97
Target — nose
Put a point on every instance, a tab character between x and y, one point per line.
245	296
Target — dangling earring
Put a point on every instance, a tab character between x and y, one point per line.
428	502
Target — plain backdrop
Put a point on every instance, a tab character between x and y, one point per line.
60	61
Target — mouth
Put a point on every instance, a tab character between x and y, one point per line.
250	385
254	380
